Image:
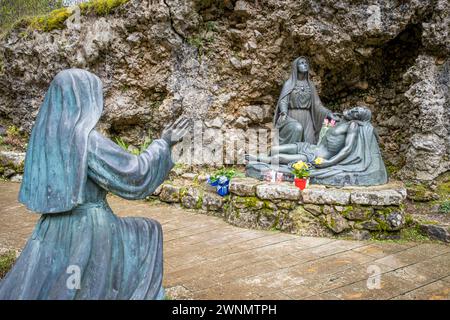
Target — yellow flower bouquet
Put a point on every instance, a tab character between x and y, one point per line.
301	171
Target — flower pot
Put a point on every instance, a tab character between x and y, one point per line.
301	183
223	189
213	183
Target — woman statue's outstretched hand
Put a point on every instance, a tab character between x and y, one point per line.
174	132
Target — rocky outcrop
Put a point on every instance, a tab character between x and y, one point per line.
224	62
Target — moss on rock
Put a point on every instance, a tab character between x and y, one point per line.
52	21
101	7
6	262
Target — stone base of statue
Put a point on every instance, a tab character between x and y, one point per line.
375	176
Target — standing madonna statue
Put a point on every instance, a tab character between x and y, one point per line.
299	113
79	249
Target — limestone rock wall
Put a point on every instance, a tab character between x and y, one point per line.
225	61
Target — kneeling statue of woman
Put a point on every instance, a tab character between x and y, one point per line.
350	153
79	248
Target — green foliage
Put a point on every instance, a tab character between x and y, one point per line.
413	234
211	26
392	169
14	139
443	187
136	151
227	172
121	143
101	7
15	12
300	170
445	207
203	39
13	131
200	43
47	15
145	144
6	262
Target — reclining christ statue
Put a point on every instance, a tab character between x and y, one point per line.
350	151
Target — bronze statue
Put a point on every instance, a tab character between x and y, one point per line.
299	113
350	153
79	248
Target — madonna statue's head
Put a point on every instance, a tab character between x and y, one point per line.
302	65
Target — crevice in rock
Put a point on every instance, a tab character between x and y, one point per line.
172	23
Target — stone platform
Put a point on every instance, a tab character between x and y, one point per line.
359	212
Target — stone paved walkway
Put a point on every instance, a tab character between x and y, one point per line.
205	258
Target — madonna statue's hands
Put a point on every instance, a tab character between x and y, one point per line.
173	133
283	116
334	116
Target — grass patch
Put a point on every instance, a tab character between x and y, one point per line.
6	262
413	234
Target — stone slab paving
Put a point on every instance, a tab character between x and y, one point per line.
205	258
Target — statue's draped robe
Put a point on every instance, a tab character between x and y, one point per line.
79	249
363	166
301	124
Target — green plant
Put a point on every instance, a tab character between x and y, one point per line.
445	207
200	43
145	144
413	234
6	262
47	15
301	169
14	13
203	39
13	131
210	26
227	172
136	151
121	143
